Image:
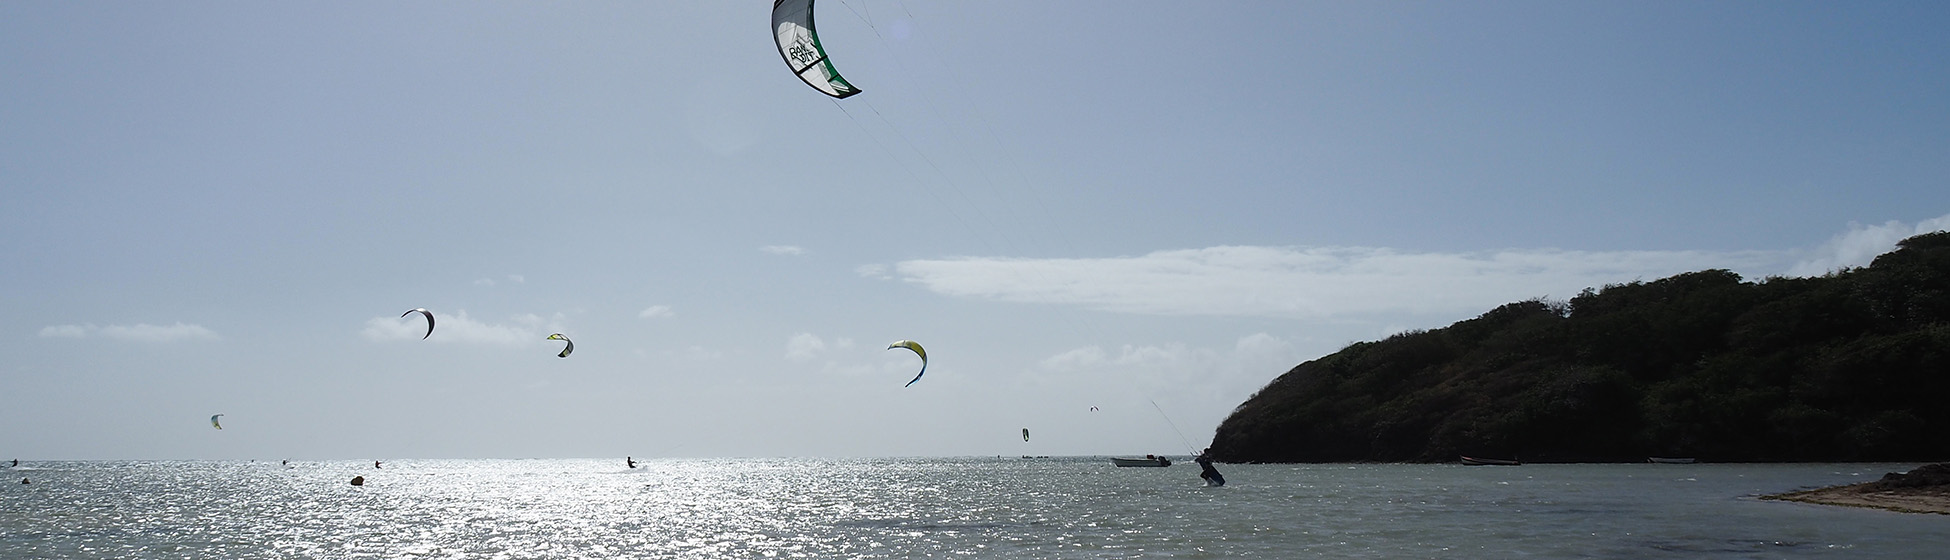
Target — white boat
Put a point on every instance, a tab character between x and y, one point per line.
1145	461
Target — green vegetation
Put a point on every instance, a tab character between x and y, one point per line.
1852	366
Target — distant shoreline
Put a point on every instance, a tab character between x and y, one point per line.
1909	500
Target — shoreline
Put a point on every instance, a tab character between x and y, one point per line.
1935	500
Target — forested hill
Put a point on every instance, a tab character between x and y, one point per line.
1853	366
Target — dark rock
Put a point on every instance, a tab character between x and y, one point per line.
1937	474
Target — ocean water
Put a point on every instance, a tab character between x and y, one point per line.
938	508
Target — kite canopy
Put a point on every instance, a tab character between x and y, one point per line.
792	30
422	311
918	351
1025	434
566	349
213	422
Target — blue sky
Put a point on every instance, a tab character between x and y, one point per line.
224	208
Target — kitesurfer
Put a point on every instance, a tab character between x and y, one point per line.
1205	470
375	464
630	461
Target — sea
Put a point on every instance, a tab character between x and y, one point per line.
969	507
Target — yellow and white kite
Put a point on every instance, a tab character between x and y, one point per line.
918	351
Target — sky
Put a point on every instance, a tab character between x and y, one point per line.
1108	222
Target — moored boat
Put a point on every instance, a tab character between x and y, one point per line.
1474	461
1670	460
1146	461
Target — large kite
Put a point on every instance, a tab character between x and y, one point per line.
566	349
918	351
422	311
792	29
213	422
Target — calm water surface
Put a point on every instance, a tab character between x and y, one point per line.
938	508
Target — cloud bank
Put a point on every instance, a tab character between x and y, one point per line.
1308	282
807	346
1324	282
1860	244
142	332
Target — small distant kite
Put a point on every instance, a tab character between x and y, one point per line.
566	349
213	422
1025	434
918	351
1093	409
422	311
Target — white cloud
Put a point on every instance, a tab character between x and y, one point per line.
1129	356
143	332
656	311
1861	244
804	346
1262	343
783	249
874	271
489	282
457	327
65	331
1073	360
1309	282
1217	374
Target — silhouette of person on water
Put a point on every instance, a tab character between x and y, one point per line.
375	464
1205	470
630	461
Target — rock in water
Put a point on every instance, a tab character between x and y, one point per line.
358	481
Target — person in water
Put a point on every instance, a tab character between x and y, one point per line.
1205	470
629	461
375	464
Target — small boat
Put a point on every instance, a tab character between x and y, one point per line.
1473	461
1146	461
1670	460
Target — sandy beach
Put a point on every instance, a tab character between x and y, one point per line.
1921	491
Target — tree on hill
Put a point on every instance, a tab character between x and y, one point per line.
1851	366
